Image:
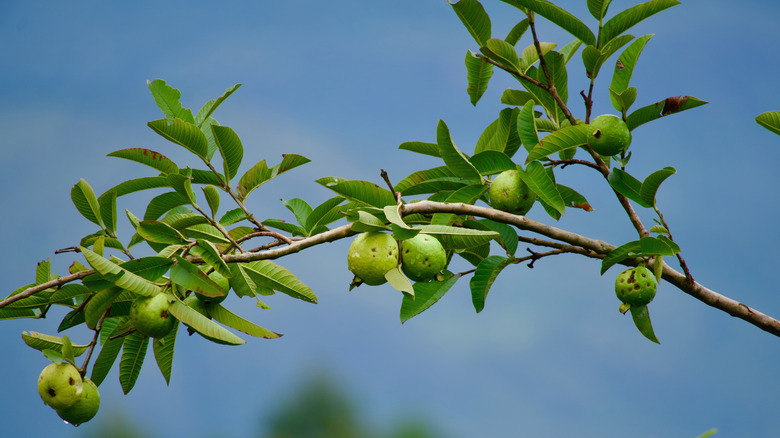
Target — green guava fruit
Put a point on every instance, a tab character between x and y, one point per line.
85	408
150	316
372	254
510	194
422	257
223	282
636	286
60	385
609	135
196	303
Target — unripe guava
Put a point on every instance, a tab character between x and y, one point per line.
422	257
371	255
223	282
510	194
60	385
150	316
85	408
609	135
636	286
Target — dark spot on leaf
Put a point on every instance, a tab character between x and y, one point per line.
673	104
620	65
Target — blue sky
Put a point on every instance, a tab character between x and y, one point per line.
344	83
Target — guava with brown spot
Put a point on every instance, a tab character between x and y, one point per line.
60	385
609	135
509	193
85	408
422	257
636	286
371	255
150	316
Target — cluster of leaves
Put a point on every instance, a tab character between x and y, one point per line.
536	134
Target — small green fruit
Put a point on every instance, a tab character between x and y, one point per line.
85	408
194	302
371	255
222	282
422	257
150	316
60	385
609	135
510	194
636	286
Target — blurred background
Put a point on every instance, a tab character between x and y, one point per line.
344	83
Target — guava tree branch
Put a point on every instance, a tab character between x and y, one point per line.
562	239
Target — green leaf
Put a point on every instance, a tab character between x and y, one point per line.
138	184
623	101
208	109
212	198
458	237
159	232
483	279
260	173
598	8
120	276
230	148
650	185
300	208
224	316
466	195
517	97
86	202
190	277
420	182
627	185
211	255
161	204
268	274
474	17
631	16
240	281
295	230
670	105
562	18
556	66
503	53
106	358
530	54
619	254
496	136
770	120
641	318
148	157
184	134
65	294
540	182
324	214
559	141
492	162
133	353
107	207
517	32
661	245
362	192
455	160
43	272
167	98
593	58
40	341
708	433
10	313
98	305
399	282
233	216
507	235
625	66
183	186
368	222
206	327
478	74
526	126
420	147
425	296
163	353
